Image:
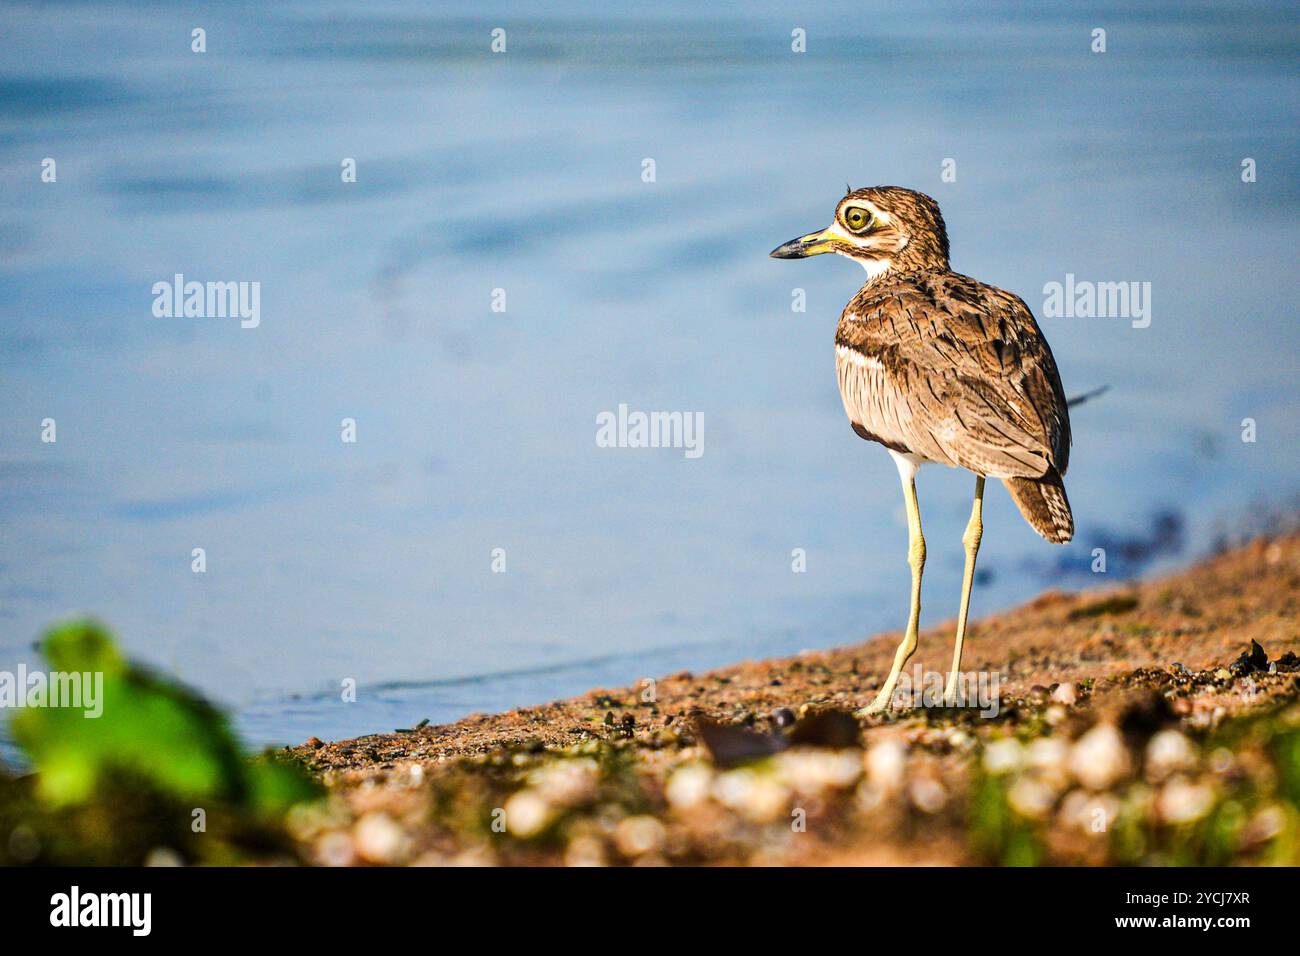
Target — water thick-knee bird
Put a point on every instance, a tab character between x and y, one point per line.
939	367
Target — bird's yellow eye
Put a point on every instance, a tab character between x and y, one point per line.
857	218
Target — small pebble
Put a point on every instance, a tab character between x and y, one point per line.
760	798
334	848
1048	757
566	782
1168	752
782	717
527	814
886	764
379	838
636	836
810	770
1183	802
1099	758
928	795
1092	813
1065	694
1031	798
1003	756
689	786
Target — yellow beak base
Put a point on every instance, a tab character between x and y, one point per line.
813	244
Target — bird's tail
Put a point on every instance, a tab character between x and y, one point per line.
1043	503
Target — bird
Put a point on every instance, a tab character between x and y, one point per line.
939	367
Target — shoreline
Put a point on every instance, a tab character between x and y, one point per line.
1088	679
987	636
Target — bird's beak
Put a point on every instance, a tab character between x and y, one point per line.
813	244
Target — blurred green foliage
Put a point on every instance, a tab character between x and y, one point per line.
108	788
997	834
1253	816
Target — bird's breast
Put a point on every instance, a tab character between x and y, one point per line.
863	387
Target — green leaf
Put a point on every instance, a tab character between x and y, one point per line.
151	727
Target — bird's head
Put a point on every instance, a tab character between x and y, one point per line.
882	227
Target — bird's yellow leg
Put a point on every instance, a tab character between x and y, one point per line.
916	561
971	540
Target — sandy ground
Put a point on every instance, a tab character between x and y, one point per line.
1154	722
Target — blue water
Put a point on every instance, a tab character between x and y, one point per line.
476	429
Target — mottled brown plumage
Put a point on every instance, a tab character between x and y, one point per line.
941	366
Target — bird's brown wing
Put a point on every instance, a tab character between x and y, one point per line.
955	371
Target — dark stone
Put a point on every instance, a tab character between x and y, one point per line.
1258	657
782	717
827	728
1253	660
730	745
1142	713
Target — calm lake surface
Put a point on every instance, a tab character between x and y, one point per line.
522	171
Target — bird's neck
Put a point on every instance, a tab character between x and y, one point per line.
905	263
876	268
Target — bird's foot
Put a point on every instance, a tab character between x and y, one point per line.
878	706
